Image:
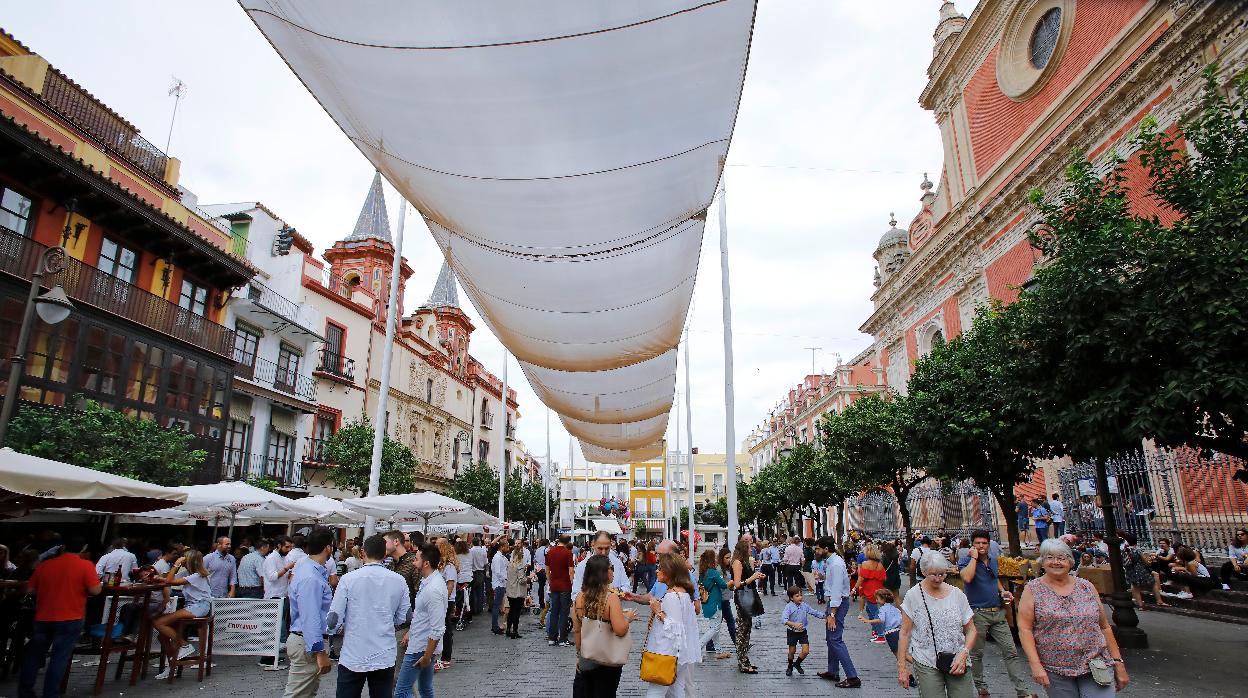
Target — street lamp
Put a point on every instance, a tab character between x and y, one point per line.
53	307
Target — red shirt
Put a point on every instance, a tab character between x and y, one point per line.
60	585
558	568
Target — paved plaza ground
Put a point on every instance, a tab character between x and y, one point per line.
1187	657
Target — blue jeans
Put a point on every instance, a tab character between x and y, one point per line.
838	653
873	612
1059	529
411	674
351	683
725	608
60	637
500	594
557	619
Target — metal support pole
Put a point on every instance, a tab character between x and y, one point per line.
670	510
730	435
1126	623
546	475
17	364
502	450
387	352
689	448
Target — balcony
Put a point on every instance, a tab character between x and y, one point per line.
85	284
487	420
268	374
336	366
511	431
237	464
314	452
108	129
641	483
261	306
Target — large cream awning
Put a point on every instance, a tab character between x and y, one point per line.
563	154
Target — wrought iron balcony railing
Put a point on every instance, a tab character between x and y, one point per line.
237	464
336	364
272	301
265	372
19	256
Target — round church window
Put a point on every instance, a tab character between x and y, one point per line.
1044	37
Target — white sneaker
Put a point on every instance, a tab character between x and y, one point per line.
164	674
1226	587
1183	595
186	650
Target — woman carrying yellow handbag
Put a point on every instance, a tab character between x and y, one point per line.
671	645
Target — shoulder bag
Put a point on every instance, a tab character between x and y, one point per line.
656	668
944	660
749	602
600	644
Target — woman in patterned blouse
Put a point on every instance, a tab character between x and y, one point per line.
1062	626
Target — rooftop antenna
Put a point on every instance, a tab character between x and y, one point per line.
812	351
176	90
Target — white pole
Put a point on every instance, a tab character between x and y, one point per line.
572	479
546	479
670	509
689	445
730	436
379	418
588	496
502	447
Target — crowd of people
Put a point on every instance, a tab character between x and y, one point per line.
385	609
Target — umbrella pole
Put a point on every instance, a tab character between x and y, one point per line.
232	515
216	521
108	522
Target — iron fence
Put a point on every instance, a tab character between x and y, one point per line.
238	464
283	378
336	364
957	507
272	301
106	127
1176	494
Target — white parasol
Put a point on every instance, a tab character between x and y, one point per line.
30	482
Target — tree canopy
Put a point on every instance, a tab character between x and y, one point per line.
104	439
351	450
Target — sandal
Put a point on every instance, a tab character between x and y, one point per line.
751	670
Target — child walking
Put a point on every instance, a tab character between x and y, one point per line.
887	623
795	614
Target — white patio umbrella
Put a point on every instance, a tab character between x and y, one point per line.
428	507
29	482
233	498
329	511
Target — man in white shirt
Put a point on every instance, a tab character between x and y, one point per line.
117	560
165	561
368	604
478	557
498	575
836	590
601	546
424	637
276	576
539	566
1058	511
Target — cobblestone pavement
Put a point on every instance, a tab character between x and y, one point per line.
1186	656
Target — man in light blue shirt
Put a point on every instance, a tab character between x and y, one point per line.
424	636
309	603
367	606
222	569
836	589
250	571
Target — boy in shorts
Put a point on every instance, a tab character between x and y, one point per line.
795	615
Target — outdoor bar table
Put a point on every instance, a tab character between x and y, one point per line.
143	643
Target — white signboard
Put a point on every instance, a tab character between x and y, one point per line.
247	627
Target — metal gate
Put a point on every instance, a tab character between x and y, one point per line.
957	507
1175	494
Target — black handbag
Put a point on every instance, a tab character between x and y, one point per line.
944	660
749	602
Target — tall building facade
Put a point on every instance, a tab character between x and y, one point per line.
443	403
1015	88
148	273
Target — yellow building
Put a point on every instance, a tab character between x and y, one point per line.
648	495
710	475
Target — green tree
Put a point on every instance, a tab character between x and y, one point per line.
351	450
526	501
103	439
477	485
714	513
963	417
870	437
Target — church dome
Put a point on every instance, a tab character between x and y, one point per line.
893	237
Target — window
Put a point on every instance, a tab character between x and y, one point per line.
699	484
606	491
656	477
15	211
640	508
483	450
118	261
193	298
279	446
331	360
639	477
325	426
246	341
621	491
718	484
803	434
656	506
429	390
287	367
238	237
1044	38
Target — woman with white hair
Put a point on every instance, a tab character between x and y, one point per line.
1065	634
937	633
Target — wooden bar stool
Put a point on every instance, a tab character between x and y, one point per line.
202	659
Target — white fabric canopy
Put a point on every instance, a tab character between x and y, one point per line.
29	482
563	154
609	525
226	499
327	510
598	454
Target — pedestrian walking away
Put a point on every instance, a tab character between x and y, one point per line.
310	599
61	586
368	605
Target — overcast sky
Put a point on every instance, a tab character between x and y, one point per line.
830	139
